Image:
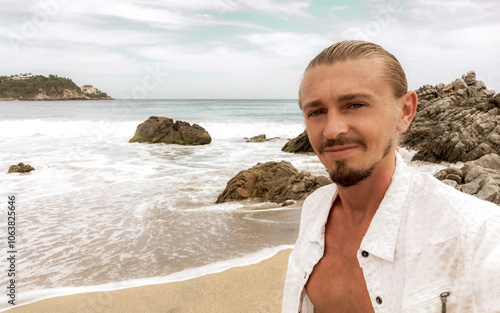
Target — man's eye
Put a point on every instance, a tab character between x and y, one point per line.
315	113
357	105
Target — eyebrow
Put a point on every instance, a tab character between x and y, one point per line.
343	98
350	97
311	104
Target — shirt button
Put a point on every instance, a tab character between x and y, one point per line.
365	254
379	300
305	275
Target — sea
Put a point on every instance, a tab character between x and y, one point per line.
100	213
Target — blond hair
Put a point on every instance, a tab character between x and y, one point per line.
357	49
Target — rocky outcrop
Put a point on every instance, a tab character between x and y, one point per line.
21	168
272	181
66	94
480	178
165	130
298	144
260	138
455	122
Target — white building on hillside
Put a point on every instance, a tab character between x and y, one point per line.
88	89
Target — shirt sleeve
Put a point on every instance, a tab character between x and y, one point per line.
485	269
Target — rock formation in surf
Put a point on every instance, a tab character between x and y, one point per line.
272	181
298	144
21	168
165	130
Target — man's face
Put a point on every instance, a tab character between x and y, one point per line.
351	117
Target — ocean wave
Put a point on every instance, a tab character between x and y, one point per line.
66	128
100	130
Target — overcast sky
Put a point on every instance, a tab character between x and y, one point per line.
253	49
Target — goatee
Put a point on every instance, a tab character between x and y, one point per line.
345	176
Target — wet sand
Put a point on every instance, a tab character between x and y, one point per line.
256	288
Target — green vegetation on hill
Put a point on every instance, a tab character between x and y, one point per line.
52	86
29	88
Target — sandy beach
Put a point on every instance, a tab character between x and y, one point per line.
256	288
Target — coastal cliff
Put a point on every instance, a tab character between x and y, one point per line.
38	87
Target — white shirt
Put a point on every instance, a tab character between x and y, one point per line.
426	238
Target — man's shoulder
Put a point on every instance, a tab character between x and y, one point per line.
320	198
317	205
430	187
437	214
324	192
429	195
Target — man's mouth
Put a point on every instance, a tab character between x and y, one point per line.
340	148
340	151
342	143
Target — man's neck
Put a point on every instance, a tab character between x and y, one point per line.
360	202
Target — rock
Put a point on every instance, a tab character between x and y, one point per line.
259	138
455	122
491	161
495	100
21	168
164	130
298	144
470	78
272	181
480	178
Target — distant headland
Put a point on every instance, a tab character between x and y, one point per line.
38	87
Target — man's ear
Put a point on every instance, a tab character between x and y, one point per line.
408	109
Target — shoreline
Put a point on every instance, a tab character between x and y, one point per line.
33	297
253	288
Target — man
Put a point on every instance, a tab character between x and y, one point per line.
382	238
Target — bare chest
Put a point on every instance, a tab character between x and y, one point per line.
336	283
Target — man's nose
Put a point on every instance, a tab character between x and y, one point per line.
336	124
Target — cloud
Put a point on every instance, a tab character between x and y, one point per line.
288	44
179	15
463	7
204	58
219	71
167	18
297	8
246	47
453	14
432	56
338	8
273	7
59	61
63	33
13	6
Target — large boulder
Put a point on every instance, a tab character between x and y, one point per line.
298	144
165	130
272	181
21	168
455	122
480	178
